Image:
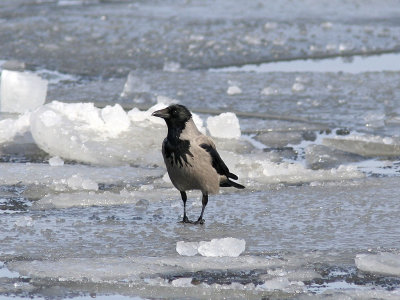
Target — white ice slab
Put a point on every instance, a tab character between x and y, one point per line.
366	145
57	177
258	168
381	263
92	198
134	268
21	91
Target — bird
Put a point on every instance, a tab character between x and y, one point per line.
191	158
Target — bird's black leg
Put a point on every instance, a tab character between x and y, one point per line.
184	198
204	201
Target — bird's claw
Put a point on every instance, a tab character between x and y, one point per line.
185	220
199	221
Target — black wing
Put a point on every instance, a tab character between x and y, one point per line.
217	162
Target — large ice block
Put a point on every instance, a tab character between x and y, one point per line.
21	91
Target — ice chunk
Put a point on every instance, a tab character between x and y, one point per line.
182	282
222	247
21	91
172	66
382	263
133	85
258	168
279	283
25	221
269	91
233	90
11	128
56	161
225	125
322	157
298	87
115	119
77	182
365	145
187	248
270	26
326	25
82	132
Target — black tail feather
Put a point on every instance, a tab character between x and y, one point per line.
230	183
233	176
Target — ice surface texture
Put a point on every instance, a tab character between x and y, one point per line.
229	246
382	263
21	91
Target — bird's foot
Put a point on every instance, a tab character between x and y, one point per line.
199	221
185	220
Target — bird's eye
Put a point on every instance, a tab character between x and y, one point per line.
174	112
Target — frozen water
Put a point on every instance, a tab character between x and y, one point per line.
21	91
107	221
182	282
44	174
133	268
11	128
225	125
134	84
262	170
187	248
366	145
322	157
281	283
233	90
222	247
76	182
381	263
298	87
215	248
56	162
172	66
105	136
269	91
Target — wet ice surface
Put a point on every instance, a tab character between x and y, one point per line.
86	208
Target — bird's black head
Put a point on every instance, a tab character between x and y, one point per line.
175	115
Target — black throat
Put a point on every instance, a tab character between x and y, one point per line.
174	131
176	149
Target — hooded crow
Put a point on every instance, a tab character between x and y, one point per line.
192	160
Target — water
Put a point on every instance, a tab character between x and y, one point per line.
86	208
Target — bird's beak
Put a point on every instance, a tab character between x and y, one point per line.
162	113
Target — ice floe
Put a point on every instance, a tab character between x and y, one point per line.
59	177
134	268
366	145
381	263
